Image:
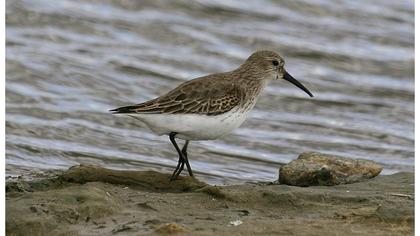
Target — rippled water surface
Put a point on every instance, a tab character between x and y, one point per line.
69	62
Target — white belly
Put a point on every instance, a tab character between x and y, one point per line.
193	127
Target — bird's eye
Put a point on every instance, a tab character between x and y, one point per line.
275	62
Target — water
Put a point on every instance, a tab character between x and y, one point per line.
69	62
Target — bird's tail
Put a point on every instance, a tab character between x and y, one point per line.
123	110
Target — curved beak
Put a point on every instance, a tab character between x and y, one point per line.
292	80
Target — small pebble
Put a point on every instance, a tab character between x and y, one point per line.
236	222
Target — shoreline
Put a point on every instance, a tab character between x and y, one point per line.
88	200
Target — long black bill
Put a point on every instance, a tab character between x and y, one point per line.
292	80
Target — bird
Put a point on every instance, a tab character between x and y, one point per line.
209	107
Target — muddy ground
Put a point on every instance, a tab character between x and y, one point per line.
88	200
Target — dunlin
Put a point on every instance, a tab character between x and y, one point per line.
210	107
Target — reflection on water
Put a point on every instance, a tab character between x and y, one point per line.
69	62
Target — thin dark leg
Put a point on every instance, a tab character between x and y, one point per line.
181	160
184	151
178	172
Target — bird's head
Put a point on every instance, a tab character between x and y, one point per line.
267	65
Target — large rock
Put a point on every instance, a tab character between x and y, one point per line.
312	168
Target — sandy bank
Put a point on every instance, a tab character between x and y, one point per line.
94	201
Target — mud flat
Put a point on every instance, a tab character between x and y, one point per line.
87	200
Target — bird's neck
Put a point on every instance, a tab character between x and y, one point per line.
250	81
252	88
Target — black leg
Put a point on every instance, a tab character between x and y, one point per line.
184	151
181	160
178	171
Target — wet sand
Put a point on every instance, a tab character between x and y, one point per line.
87	200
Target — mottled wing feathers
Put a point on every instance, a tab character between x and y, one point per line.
198	96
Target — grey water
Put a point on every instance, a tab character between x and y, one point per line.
69	61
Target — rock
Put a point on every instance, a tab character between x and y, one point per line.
312	168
